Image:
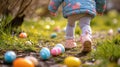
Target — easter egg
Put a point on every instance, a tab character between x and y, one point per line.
9	56
53	35
110	32
45	53
57	29
32	59
23	35
29	43
118	30
61	46
72	62
64	29
22	62
47	27
56	51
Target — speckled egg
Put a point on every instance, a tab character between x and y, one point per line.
45	53
9	56
22	62
72	61
61	46
22	35
56	51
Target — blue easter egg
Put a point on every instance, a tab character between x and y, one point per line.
61	46
46	49
45	53
9	56
53	35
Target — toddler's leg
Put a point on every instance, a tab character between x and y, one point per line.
85	25
86	34
70	30
70	42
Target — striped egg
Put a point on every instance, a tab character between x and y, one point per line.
56	51
61	46
45	53
32	59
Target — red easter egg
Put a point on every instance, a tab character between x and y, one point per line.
23	35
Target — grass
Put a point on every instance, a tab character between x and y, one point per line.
39	34
108	49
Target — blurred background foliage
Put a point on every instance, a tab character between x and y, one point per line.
14	12
33	8
38	7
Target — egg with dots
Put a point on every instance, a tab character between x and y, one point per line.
22	35
9	56
22	62
56	51
45	53
72	61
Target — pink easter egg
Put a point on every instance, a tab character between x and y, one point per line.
56	51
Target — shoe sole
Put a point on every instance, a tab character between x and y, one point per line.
86	46
66	47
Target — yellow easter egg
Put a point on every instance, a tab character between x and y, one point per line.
72	61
